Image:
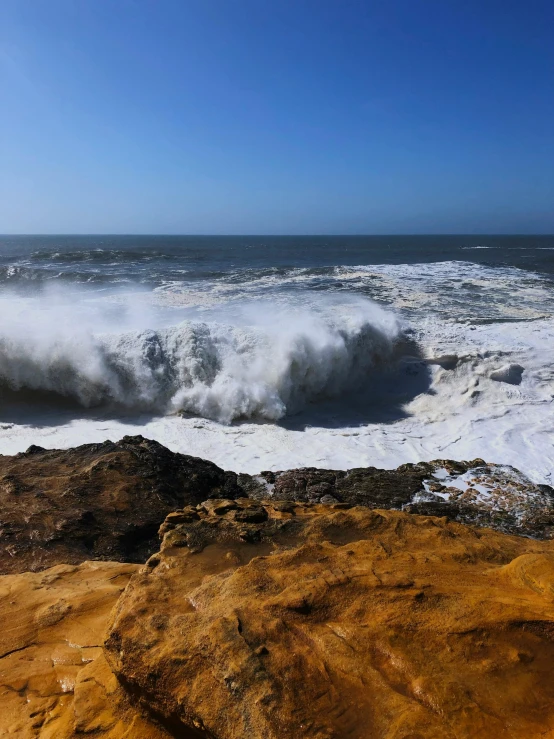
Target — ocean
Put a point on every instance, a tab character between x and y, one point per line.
267	353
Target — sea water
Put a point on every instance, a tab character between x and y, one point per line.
277	352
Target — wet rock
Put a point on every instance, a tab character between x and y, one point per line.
97	501
54	680
510	373
107	501
337	623
483	494
367	486
513	503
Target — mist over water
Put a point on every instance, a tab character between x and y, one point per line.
265	353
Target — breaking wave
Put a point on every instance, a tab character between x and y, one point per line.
270	366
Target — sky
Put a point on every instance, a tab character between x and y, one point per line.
277	116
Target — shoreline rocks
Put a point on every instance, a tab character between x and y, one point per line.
471	492
97	501
107	501
313	603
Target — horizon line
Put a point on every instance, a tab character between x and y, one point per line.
279	235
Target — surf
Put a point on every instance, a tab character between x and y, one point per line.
271	361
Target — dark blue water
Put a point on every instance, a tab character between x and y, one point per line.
150	260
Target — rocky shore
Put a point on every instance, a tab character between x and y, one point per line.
107	501
416	602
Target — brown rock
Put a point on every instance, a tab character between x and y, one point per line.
107	501
98	501
514	503
54	680
369	486
340	624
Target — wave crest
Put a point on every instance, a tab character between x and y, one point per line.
220	371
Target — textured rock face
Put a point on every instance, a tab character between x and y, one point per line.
107	501
363	486
491	495
471	492
283	620
54	680
98	501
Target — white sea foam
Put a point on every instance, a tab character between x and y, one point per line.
266	363
195	347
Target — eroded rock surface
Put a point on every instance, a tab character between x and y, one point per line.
97	501
482	494
471	492
368	486
54	680
283	620
107	501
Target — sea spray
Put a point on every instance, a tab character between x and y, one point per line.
266	362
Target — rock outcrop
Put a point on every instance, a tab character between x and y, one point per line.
54	680
280	620
367	486
97	501
107	501
471	492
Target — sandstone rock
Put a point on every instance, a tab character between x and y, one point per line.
331	622
54	680
107	501
98	501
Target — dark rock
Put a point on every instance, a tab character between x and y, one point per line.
97	501
366	486
513	504
107	501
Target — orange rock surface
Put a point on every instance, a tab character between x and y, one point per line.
289	620
54	680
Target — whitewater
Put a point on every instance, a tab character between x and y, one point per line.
259	366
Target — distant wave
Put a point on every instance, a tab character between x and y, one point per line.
20	275
103	256
214	370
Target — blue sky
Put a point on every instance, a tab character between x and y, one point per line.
277	116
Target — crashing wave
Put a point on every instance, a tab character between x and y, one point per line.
211	369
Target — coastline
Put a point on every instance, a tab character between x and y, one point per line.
333	582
